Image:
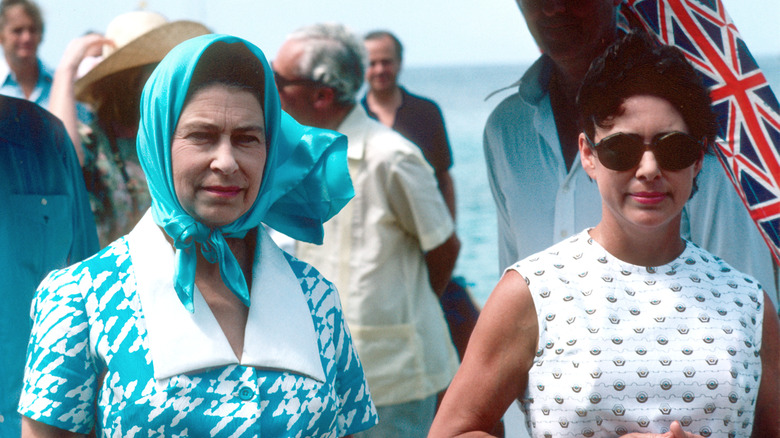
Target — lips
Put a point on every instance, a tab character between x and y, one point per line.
223	191
649	197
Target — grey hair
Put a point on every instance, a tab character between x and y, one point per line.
334	57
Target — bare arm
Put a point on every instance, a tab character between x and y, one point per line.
36	429
62	102
767	421
441	261
494	371
447	189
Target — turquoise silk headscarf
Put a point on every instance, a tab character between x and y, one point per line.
305	182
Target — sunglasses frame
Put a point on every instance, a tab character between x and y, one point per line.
622	164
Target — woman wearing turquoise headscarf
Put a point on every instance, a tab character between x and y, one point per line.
196	323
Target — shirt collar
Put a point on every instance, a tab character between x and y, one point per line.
280	332
533	84
5	71
353	126
45	75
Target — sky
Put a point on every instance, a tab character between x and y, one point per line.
434	32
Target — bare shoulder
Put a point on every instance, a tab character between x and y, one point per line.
508	323
494	372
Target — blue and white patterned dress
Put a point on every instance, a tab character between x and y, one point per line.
90	346
626	348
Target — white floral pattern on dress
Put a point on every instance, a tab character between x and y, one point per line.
88	354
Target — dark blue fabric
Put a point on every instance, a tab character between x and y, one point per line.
420	121
45	224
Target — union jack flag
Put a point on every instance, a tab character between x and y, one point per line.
748	112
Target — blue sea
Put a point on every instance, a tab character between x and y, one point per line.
460	91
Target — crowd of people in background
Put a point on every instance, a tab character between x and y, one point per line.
151	179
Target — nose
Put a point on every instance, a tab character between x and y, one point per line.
27	35
224	160
648	167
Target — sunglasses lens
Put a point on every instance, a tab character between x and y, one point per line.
677	151
674	151
620	151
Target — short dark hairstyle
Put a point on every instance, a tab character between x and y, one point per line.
30	7
378	34
634	65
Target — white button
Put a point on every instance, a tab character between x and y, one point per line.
44	201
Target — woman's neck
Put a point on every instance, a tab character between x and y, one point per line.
640	247
243	250
229	311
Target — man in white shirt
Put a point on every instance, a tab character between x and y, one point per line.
392	249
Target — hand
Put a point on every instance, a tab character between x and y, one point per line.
80	48
675	431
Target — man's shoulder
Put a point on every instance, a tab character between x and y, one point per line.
384	141
417	101
527	92
375	141
26	123
15	111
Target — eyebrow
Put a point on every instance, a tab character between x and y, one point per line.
201	124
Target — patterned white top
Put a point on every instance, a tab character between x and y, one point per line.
91	364
626	348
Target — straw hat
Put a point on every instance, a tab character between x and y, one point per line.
140	38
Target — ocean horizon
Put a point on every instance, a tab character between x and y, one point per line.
460	91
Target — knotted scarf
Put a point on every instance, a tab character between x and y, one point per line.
305	182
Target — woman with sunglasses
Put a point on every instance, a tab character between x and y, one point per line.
627	329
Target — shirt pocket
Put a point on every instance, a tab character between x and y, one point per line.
390	354
43	231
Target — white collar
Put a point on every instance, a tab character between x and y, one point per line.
354	127
279	334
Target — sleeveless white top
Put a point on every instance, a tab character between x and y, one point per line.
626	348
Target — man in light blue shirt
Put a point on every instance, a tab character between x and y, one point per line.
22	74
45	224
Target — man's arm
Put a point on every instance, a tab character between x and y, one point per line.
507	249
441	262
447	189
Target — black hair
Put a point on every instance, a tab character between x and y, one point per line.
634	65
378	34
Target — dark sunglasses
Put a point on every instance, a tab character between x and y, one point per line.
673	150
282	82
